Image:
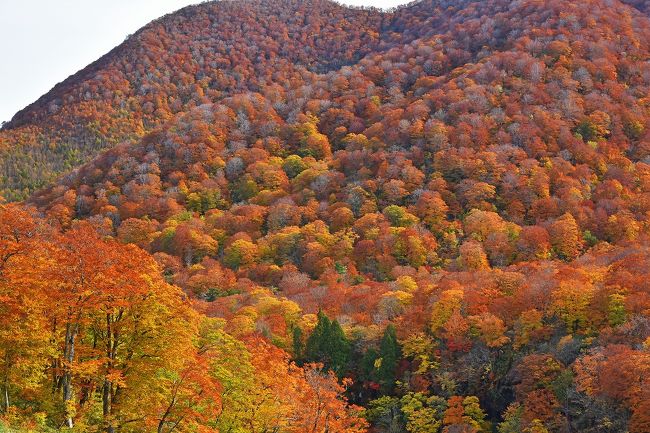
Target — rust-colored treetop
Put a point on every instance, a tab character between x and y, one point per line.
439	214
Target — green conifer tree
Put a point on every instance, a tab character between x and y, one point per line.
389	354
328	344
315	347
298	346
338	348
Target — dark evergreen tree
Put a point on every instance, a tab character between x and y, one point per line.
389	355
338	347
315	350
328	344
368	364
298	346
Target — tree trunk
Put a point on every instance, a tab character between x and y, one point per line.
6	382
6	396
107	389
106	406
68	394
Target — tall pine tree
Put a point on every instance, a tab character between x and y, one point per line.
389	356
298	346
339	348
315	350
328	344
381	366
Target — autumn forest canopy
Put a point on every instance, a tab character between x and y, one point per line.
284	216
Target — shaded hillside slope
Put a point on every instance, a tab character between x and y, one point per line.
202	54
468	195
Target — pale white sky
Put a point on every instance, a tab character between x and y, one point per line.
42	42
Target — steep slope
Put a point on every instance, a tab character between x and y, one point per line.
555	93
198	55
478	177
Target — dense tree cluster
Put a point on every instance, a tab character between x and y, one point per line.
206	53
93	339
198	55
443	210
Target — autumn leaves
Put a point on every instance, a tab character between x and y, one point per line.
93	319
92	337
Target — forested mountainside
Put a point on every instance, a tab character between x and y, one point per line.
195	56
433	219
203	54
